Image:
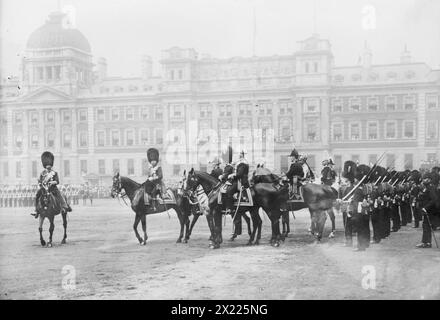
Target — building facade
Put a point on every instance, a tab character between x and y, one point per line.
97	125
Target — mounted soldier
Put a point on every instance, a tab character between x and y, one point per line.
328	174
296	173
239	180
48	181
154	187
216	171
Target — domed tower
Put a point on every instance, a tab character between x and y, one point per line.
57	56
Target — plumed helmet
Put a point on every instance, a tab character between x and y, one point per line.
361	171
325	162
47	159
349	170
153	155
294	154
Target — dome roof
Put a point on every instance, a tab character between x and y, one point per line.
52	35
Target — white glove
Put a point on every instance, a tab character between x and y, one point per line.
231	176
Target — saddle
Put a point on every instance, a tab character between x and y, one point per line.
246	196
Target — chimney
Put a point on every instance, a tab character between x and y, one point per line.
405	57
146	67
102	68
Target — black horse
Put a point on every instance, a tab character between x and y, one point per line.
264	195
49	207
131	188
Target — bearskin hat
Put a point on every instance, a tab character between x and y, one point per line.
415	176
349	170
294	154
431	175
378	172
152	154
435	170
47	159
361	171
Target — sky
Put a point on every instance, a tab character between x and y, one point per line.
122	31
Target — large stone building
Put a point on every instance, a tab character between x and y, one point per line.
96	125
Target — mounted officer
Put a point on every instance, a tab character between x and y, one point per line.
155	188
239	180
49	180
328	175
216	171
296	173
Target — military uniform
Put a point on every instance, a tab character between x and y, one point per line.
328	175
430	203
242	176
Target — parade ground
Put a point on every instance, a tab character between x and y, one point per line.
103	260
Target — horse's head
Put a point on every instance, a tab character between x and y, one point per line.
191	181
116	186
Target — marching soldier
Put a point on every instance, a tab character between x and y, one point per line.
361	214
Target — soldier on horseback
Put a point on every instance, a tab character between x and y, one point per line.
155	178
296	173
216	171
48	181
239	180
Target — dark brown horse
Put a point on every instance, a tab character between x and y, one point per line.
264	195
131	188
49	207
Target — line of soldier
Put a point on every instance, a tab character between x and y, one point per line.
389	200
24	196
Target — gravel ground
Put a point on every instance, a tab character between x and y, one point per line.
103	260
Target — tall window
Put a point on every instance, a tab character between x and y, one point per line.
391	103
372	104
129	113
101	138
83	166
115	114
390	130
18	142
129	136
373	130
101	166
50	117
18	118
409	102
337	132
408	165
66	116
372	158
115	166
115	138
311	105
337	106
18	169
432	129
355	131
83	139
83	115
225	110
100	114
130	167
205	111
408	129
34	141
67	140
34	118
144	136
432	101
34	169
50	141
355	105
391	159
66	168
312	132
177	111
144	113
159	136
158	113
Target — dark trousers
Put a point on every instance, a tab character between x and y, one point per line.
377	221
363	230
348	226
229	201
395	217
417	214
427	232
387	221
